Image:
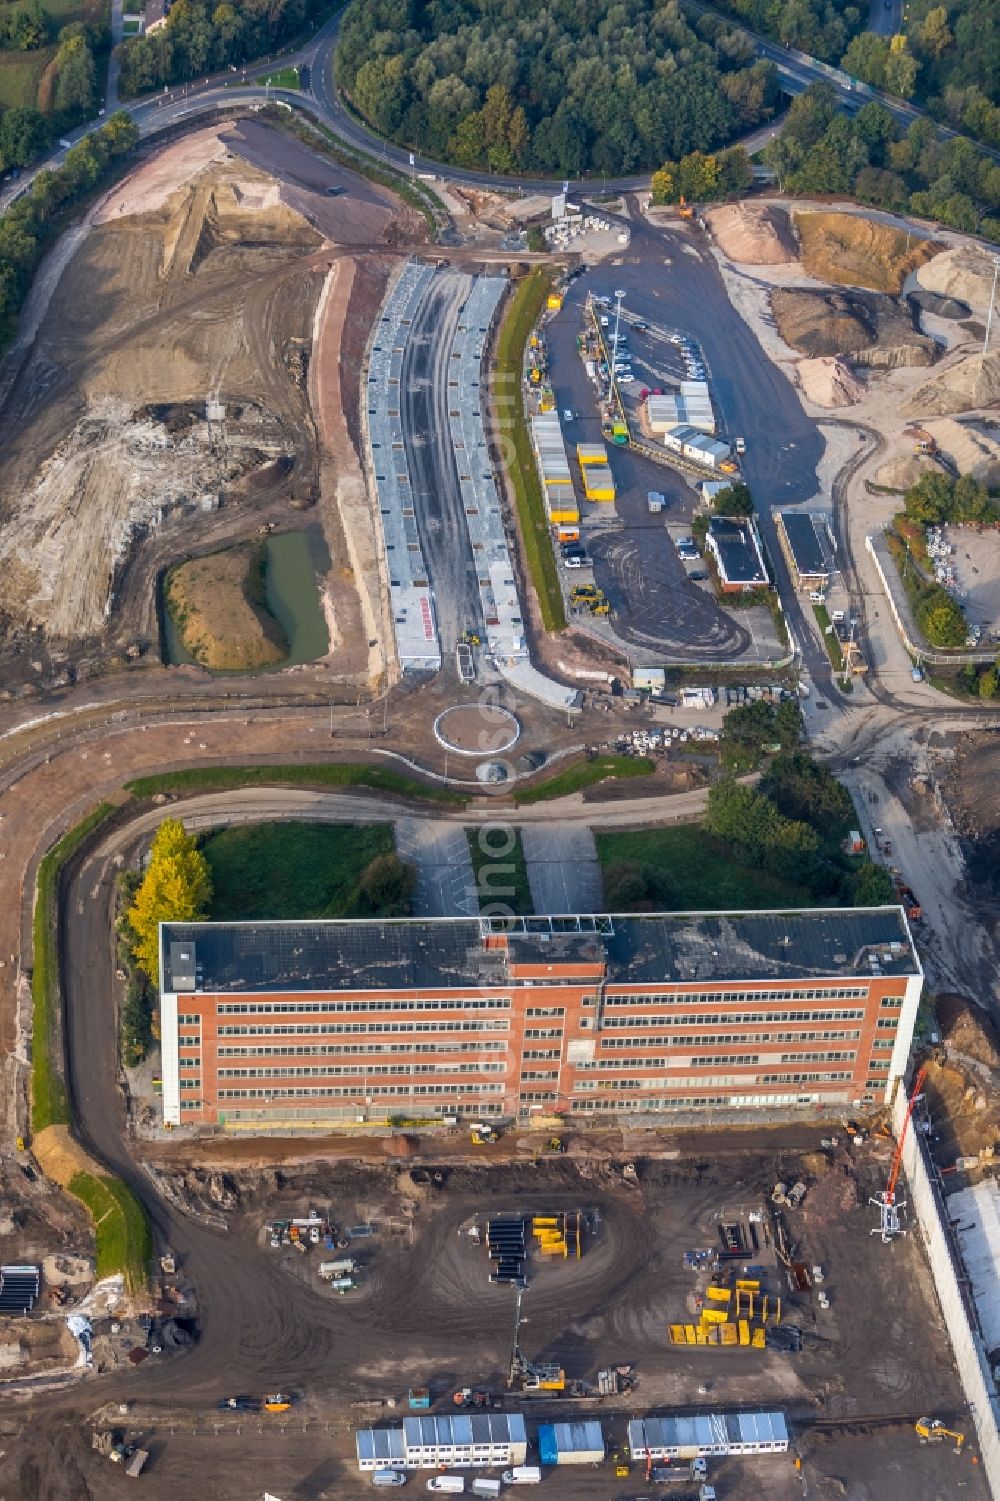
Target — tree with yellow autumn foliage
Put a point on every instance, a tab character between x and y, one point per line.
177	887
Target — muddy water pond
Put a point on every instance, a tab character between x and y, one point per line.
295	563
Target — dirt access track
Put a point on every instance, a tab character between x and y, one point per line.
196	282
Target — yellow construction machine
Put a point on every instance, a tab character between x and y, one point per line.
934	1431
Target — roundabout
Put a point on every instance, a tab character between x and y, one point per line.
476	729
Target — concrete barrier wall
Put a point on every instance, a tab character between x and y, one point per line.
957	1305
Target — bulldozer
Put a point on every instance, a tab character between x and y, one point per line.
555	1144
934	1431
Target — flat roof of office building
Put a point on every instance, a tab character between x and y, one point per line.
805	542
450	953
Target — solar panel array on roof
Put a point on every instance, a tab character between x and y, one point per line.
19	1287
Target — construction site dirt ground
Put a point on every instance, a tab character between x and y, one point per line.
196	282
425	1313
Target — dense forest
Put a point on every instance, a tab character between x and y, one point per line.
869	157
201	36
611	87
949	61
822	28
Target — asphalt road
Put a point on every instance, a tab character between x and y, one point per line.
323	100
437	496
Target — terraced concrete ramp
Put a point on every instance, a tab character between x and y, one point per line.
446	882
562	868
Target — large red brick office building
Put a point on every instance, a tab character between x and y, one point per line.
290	1024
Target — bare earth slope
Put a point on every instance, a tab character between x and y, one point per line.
853	251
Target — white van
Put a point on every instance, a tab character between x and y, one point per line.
488	1489
454	1485
388	1477
523	1475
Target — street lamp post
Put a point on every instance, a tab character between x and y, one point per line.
993	298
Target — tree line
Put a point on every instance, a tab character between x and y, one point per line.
871	158
703	177
30	222
68	90
611	87
201	37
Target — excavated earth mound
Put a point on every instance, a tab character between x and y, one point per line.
853	251
903	471
971	447
963	274
829	382
972	383
754	234
218	606
941	307
872	329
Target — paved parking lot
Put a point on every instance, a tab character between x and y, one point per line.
562	868
446	883
654	607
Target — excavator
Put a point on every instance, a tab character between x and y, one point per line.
934	1431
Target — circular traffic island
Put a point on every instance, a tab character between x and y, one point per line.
476	729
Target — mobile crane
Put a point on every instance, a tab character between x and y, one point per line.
889	1225
530	1376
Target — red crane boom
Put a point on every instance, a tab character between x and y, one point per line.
897	1156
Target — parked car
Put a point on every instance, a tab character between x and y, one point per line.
573	560
567	415
388	1477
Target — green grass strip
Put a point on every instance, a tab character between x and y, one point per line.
508	397
830	638
322	774
585	774
49	1101
501	873
121	1227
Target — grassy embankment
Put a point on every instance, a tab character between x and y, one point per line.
120	1223
830	638
501	874
583	774
321	774
124	1240
274	871
508	398
706	873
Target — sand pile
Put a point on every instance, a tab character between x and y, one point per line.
971	383
904	470
853	251
754	234
964	274
971	447
829	382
